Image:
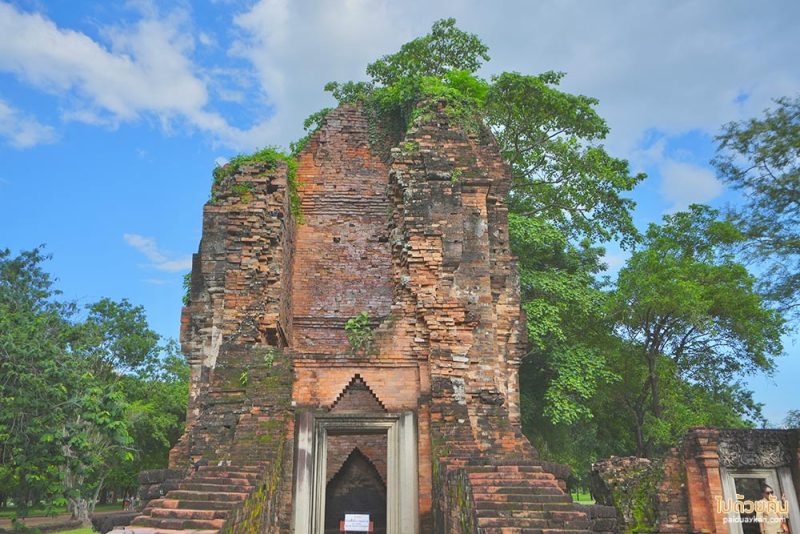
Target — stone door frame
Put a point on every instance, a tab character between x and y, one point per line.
308	507
779	478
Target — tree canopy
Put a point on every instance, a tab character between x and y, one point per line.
761	158
689	313
73	386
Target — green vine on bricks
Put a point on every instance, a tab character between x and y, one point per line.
244	378
413	83
269	357
244	191
359	333
312	123
455	175
269	156
187	289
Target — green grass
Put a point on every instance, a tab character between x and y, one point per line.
77	531
582	498
9	513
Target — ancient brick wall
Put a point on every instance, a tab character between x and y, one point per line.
235	300
419	241
456	283
342	260
673	508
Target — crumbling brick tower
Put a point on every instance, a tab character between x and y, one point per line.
419	427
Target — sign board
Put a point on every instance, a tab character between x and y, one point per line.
356	522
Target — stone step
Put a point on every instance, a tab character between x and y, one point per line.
506	513
185	513
190	485
151	530
193	505
517	489
189	495
543	494
522	530
479	478
506	469
491	509
517	522
220	480
178	524
231	469
518	498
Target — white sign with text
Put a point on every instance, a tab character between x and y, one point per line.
356	522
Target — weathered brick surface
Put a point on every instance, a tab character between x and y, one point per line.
342	259
418	239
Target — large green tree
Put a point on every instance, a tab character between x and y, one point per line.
761	158
690	323
67	409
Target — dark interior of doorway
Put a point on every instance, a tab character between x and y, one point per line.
357	489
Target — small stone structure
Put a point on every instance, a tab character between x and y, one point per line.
288	416
689	489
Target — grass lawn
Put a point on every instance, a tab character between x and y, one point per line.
8	513
582	498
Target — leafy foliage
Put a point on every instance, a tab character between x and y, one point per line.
65	416
312	123
563	303
443	50
792	419
269	156
561	174
761	158
688	314
359	333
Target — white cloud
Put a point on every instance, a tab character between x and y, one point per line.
158	259
672	66
156	281
683	184
145	71
21	130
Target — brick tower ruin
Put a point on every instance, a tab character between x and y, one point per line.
291	427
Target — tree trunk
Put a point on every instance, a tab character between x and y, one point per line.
654	391
79	508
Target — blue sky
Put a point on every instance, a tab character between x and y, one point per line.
113	114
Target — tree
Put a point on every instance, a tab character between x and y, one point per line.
32	327
561	173
63	423
154	417
761	158
444	50
564	306
690	322
792	419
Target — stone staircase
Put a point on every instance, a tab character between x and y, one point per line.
201	504
518	496
517	499
241	433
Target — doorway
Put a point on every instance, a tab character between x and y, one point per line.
356	488
750	484
361	481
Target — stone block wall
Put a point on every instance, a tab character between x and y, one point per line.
342	260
